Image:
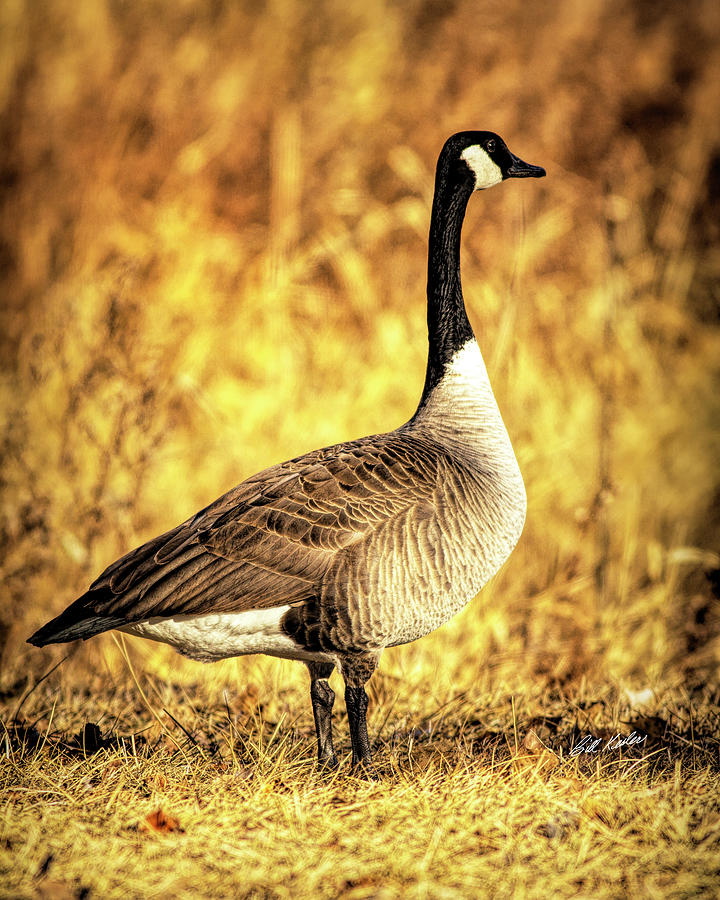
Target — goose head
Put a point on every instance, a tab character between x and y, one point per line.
484	159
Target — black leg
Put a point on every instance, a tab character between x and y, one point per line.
323	697
357	671
356	701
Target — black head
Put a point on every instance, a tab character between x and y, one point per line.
483	157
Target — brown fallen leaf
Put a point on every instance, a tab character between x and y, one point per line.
48	889
532	742
536	755
162	822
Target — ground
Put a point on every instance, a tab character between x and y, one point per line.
213	243
184	790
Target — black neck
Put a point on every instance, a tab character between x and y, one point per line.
448	325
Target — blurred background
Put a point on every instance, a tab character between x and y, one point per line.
213	251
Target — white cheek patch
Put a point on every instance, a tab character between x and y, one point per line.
487	172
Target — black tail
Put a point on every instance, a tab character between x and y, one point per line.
101	607
75	623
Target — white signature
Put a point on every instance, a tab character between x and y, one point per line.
590	744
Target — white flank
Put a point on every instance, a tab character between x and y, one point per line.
487	172
221	635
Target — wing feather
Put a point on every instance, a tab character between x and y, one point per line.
270	541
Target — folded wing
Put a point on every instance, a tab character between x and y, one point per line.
268	542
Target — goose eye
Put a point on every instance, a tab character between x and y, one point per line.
490	146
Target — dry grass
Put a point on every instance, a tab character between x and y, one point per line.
460	811
213	251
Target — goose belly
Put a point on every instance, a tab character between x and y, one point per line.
439	564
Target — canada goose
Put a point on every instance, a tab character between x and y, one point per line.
337	554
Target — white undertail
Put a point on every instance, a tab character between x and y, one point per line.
216	636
